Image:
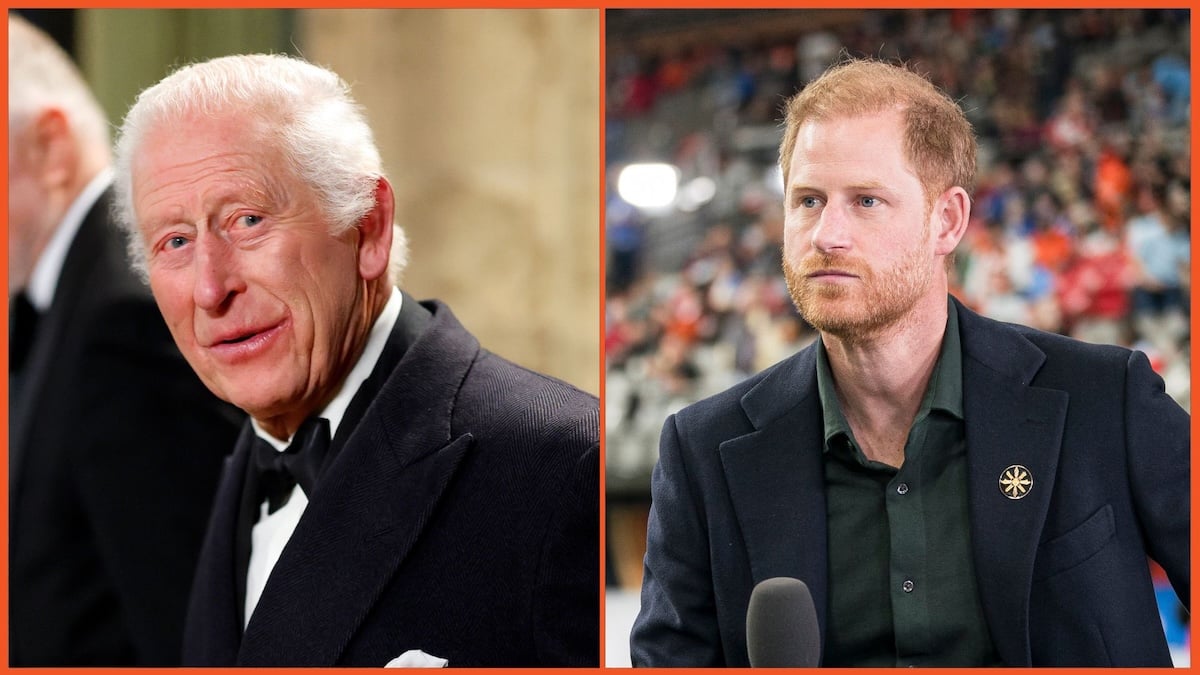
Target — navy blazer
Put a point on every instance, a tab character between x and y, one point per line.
739	497
460	518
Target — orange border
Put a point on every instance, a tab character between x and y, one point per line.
4	340
603	219
1195	42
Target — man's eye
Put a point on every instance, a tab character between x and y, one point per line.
252	220
176	242
808	202
869	201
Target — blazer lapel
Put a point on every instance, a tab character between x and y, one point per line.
214	628
1008	424
369	509
776	475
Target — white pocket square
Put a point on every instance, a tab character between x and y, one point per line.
415	658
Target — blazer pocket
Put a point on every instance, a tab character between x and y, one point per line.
1076	545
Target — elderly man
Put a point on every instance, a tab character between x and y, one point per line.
954	491
115	446
401	495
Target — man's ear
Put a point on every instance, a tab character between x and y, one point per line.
375	233
951	213
47	148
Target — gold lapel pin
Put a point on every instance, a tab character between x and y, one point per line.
1016	481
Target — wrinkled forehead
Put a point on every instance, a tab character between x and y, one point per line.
226	121
194	160
189	137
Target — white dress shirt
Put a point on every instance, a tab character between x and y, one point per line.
273	530
44	279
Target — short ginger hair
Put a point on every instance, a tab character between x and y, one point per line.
938	140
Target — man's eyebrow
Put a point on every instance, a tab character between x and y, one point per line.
261	196
801	187
863	186
870	186
160	221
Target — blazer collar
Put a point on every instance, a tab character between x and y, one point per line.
1011	427
213	628
775	477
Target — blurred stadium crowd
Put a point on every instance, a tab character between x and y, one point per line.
1080	221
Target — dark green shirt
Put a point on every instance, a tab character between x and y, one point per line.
902	586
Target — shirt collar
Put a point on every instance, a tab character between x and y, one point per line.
945	386
831	409
944	391
336	409
44	279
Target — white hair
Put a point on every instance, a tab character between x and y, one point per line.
41	76
306	109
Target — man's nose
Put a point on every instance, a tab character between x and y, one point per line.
833	229
217	278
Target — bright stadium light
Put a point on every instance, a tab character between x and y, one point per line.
696	193
648	186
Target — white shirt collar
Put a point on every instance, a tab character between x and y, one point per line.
48	269
336	409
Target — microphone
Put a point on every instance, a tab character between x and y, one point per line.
781	625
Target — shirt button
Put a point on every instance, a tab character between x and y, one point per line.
902	488
907	586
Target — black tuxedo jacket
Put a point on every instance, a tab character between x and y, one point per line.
739	497
459	518
114	452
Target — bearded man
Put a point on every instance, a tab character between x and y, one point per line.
954	491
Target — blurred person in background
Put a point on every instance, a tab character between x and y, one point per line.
400	496
954	490
115	446
1158	240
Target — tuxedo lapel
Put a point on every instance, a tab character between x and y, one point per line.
1008	424
369	509
214	626
776	478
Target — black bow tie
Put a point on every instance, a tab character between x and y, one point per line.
279	472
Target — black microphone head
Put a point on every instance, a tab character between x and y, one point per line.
781	625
